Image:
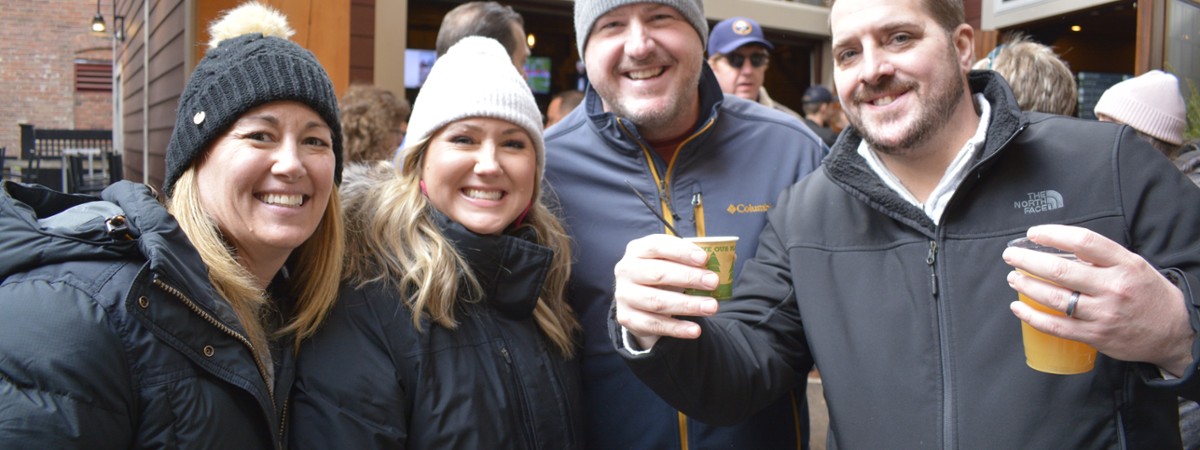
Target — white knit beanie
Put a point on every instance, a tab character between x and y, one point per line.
587	11
475	78
1150	103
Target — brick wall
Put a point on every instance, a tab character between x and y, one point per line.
39	43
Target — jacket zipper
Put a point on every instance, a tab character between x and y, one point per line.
521	396
947	401
930	260
664	185
664	193
283	420
947	424
225	329
698	210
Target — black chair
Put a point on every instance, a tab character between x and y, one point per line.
116	169
12	171
83	179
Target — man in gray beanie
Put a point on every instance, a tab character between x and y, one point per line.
655	117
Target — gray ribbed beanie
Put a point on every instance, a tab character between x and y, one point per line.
587	11
475	78
239	74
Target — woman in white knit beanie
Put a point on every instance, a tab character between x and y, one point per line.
451	330
1151	104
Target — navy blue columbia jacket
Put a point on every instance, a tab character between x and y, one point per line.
722	180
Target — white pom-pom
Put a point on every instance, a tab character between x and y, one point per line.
249	18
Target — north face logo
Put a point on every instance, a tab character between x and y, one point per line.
1040	202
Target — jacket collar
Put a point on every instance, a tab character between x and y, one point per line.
167	248
606	126
154	235
28	242
847	169
511	268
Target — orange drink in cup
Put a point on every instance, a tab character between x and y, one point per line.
1048	353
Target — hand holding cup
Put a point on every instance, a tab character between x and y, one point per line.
1126	309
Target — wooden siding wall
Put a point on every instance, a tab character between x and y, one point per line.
362	41
152	77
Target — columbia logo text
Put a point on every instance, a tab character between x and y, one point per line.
742	208
1040	202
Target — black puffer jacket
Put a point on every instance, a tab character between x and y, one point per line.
369	379
112	337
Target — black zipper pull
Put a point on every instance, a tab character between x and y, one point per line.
118	228
930	260
504	353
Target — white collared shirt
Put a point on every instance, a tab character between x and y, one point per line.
935	205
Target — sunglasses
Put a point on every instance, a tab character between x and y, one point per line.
756	60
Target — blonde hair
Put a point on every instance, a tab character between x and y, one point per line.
315	267
1040	80
398	243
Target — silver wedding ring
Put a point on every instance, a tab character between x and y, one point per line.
1071	304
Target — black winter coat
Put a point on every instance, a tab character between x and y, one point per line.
369	380
909	321
112	337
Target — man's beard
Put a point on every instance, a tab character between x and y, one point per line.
933	113
659	116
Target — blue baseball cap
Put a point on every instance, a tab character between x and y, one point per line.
817	94
735	32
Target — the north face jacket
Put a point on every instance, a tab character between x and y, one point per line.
722	181
112	337
370	380
909	322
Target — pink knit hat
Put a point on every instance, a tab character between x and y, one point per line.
1150	103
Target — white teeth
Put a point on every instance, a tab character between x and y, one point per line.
284	200
483	195
644	74
884	101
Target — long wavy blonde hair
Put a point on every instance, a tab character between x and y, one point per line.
315	267
396	241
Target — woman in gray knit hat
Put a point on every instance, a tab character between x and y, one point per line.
125	323
451	330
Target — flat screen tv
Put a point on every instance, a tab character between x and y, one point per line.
537	72
417	63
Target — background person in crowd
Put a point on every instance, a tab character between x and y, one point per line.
1041	81
561	105
127	324
820	111
451	330
683	144
373	122
903	294
734	42
1189	163
1151	104
487	19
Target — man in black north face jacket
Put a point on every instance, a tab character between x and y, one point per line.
901	289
